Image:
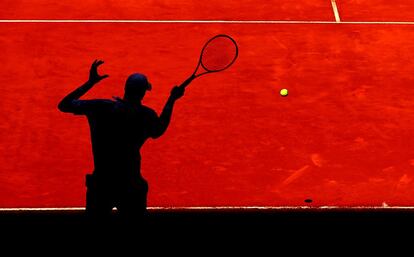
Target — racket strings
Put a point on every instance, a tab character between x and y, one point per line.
219	54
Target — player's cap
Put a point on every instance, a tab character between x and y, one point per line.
137	80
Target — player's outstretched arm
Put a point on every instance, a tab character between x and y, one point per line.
176	93
66	104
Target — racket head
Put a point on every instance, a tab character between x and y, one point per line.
219	53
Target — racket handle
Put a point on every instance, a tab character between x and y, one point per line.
187	81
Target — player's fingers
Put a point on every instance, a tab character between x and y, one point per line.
99	62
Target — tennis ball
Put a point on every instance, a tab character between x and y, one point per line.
284	92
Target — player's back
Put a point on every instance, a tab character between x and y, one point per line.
118	130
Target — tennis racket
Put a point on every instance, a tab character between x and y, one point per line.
218	54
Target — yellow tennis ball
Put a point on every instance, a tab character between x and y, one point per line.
284	92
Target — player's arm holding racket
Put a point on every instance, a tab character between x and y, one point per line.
68	103
176	93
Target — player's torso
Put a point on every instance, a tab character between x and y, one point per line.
117	133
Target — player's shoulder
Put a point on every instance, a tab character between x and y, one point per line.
90	106
147	110
101	105
100	101
103	102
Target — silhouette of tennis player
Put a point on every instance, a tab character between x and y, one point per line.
118	128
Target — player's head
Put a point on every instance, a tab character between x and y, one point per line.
135	87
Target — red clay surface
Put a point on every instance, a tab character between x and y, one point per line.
376	10
167	9
343	136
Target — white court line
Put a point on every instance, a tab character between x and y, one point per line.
216	22
224	208
335	10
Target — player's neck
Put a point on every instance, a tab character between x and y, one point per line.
131	101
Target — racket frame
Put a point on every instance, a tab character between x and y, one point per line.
200	63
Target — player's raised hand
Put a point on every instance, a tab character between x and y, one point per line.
177	92
94	77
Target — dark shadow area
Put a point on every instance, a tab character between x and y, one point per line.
198	222
167	231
